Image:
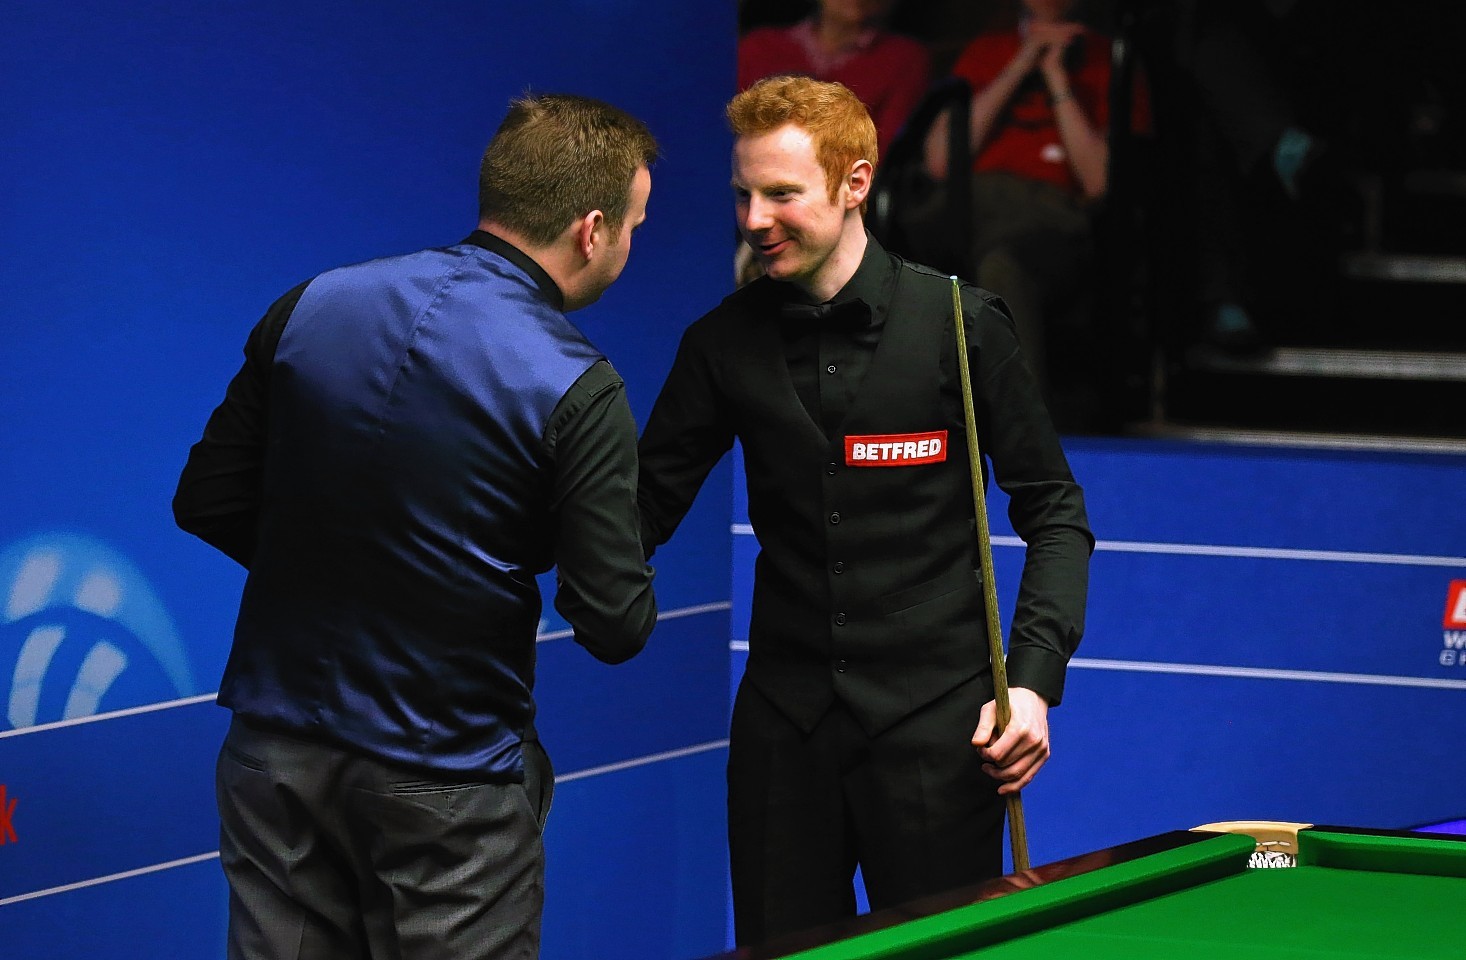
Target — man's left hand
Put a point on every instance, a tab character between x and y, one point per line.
1014	758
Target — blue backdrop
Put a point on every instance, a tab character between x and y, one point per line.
1266	634
169	169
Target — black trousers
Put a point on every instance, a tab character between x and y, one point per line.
333	856
911	806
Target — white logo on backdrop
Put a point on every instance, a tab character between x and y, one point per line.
81	632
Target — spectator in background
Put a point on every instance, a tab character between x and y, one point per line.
1038	121
845	41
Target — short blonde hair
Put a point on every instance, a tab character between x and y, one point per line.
837	122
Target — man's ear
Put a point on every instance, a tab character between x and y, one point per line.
859	181
587	232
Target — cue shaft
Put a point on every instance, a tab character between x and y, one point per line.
1017	829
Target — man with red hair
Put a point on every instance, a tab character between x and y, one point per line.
863	732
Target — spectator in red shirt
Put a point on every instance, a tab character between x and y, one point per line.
1040	98
845	41
1038	121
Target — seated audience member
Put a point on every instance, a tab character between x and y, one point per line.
845	41
1038	121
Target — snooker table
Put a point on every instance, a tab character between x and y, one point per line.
1193	895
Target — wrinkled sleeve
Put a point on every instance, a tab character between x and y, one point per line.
218	495
604	585
1046	505
686	435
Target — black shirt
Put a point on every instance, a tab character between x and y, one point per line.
692	425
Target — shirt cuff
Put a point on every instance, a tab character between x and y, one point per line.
1039	670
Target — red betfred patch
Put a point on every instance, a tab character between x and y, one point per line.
896	449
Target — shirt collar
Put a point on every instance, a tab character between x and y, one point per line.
872	282
522	260
872	279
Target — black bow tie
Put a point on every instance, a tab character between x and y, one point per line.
847	315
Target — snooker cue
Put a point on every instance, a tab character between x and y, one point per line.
1017	831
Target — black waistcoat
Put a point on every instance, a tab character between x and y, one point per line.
864	585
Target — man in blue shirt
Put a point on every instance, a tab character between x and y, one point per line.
409	443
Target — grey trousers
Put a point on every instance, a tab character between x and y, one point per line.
331	856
